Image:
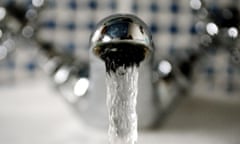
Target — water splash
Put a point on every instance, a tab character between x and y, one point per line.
122	88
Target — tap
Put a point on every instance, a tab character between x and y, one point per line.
121	37
161	79
82	82
126	38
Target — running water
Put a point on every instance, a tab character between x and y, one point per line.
122	88
122	60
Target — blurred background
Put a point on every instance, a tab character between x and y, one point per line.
44	46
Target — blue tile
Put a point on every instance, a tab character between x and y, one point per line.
72	4
174	7
213	9
117	30
173	29
212	50
92	5
230	86
135	7
91	25
49	24
113	5
31	66
11	64
71	47
71	26
193	29
209	70
154	7
154	28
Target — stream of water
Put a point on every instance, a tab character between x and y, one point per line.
122	60
122	88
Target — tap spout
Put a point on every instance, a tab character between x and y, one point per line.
124	39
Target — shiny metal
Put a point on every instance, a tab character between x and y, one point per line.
121	28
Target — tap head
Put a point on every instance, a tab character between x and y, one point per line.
122	38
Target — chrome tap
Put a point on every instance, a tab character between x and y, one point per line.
82	83
162	80
126	38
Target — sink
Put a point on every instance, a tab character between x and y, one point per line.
200	120
31	112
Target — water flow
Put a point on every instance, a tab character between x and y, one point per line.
122	60
122	88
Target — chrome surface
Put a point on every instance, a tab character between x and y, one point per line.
121	28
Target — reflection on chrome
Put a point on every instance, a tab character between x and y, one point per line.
81	87
61	75
106	38
3	13
51	65
1	33
165	67
31	14
27	31
3	52
195	4
212	29
37	3
233	32
9	44
205	40
200	26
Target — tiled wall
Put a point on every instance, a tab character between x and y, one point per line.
67	24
